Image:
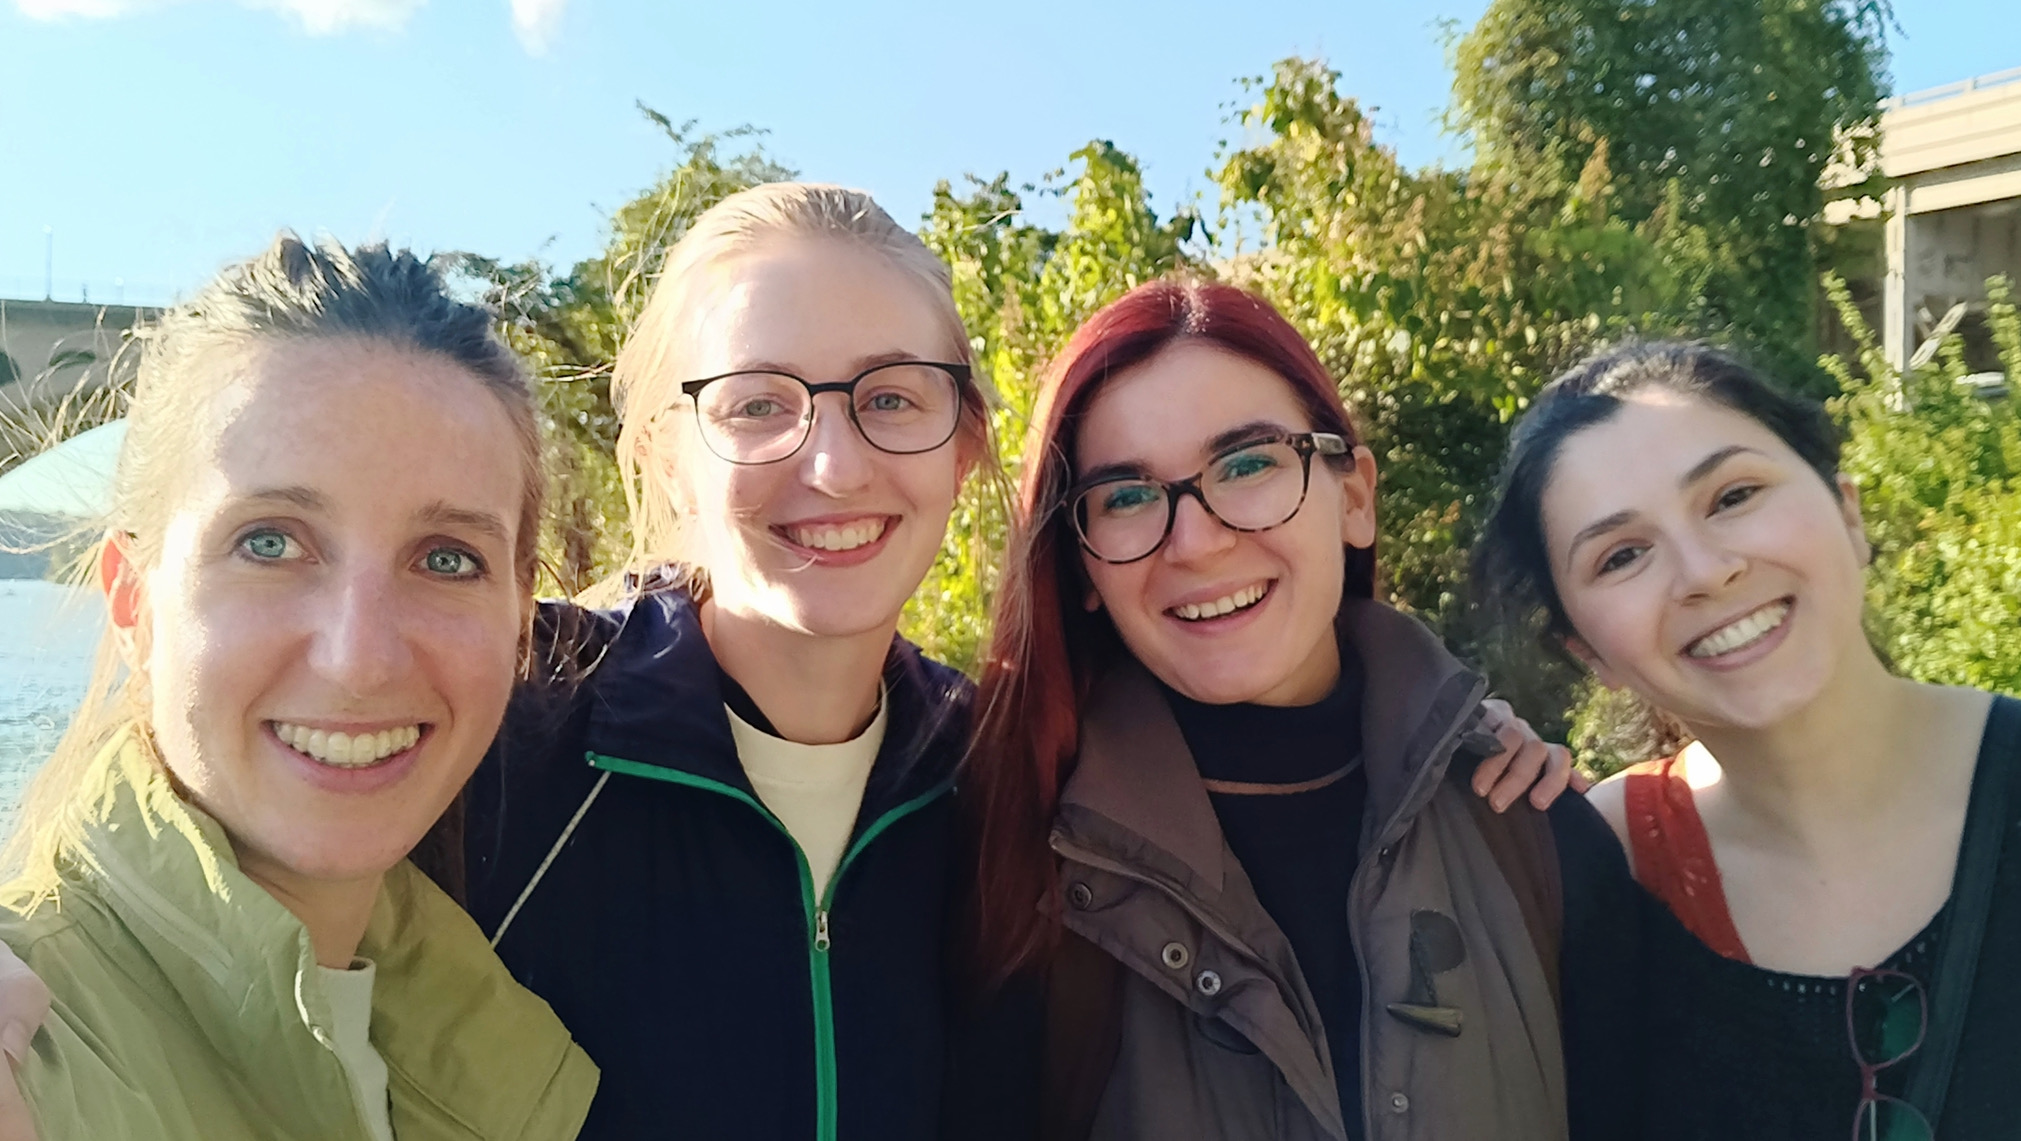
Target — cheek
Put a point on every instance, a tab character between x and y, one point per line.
1622	622
1114	588
473	650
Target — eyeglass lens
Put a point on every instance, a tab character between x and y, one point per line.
1887	1016
1252	489
1891	1119
756	417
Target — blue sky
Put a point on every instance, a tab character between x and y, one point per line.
158	139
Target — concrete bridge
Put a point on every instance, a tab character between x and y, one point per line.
1954	211
51	348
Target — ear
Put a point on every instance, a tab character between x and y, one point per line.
1849	512
119	577
1602	673
1357	500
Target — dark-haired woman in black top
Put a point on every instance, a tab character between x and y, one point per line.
1833	867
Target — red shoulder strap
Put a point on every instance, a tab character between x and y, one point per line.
1673	855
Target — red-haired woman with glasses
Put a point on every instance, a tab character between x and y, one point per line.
1229	868
1833	864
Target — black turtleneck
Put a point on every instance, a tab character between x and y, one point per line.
1288	787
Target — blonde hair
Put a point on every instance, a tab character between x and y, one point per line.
654	361
291	292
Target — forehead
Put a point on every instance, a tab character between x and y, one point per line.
363	421
1634	460
815	305
1164	411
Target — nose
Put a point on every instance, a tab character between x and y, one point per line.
837	460
360	643
1195	533
1706	566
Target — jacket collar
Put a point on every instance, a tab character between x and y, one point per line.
655	698
449	1021
1135	772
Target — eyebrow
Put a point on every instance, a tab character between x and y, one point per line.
440	514
861	364
1698	471
1705	467
1223	441
305	498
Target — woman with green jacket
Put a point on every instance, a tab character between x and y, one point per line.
318	574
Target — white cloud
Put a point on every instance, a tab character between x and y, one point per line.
535	22
317	17
322	17
88	9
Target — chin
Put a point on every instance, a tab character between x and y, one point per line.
344	859
823	617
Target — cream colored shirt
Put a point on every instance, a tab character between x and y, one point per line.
814	790
350	995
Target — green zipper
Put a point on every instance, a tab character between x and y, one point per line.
819	940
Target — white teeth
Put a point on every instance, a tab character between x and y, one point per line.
344	751
858	534
1740	633
1228	604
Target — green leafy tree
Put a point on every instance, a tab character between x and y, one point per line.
1939	470
1022	290
1440	302
569	328
1713	119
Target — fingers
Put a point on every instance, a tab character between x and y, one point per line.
1526	764
1529	761
1581	783
1496	713
1557	777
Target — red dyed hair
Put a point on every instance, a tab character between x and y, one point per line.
1046	651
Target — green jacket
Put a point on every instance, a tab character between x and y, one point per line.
188	1007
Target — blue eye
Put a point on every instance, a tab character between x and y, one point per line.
268	545
450	562
887	402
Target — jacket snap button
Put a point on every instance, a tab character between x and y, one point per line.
1398	1103
1081	896
1209	983
1176	956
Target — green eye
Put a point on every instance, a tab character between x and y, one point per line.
1128	497
452	563
266	545
1246	465
758	409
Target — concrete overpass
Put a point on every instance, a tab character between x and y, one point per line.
51	348
1954	211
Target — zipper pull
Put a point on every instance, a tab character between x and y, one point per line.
821	942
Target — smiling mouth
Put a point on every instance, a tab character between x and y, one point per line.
1742	632
831	537
1221	607
347	750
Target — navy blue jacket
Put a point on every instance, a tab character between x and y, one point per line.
676	931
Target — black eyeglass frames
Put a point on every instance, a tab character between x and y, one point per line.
763	416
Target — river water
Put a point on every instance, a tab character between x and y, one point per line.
48	633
